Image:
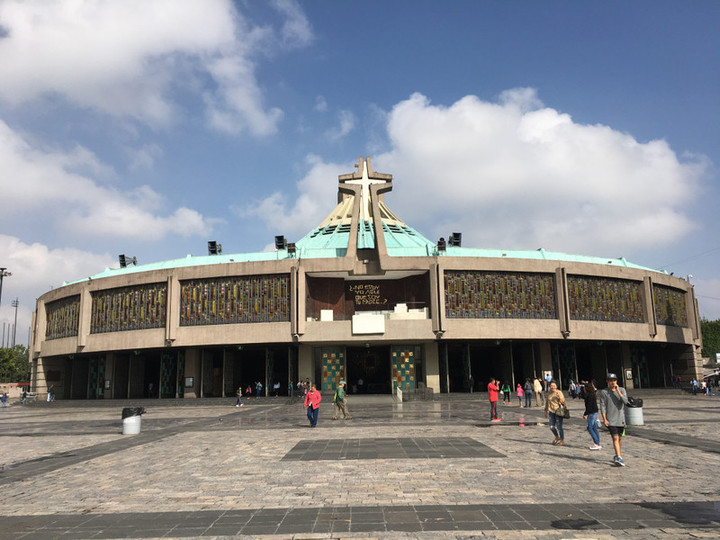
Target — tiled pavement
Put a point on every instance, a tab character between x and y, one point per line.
417	470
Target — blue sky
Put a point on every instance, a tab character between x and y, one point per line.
150	127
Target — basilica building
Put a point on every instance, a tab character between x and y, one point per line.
366	298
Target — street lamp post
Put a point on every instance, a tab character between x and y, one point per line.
3	273
15	303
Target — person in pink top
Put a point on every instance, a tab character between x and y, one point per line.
520	394
312	402
493	389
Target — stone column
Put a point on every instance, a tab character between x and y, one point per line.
432	367
192	369
305	363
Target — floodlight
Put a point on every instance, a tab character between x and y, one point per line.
214	248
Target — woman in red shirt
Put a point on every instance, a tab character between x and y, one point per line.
312	402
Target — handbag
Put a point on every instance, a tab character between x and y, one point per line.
563	411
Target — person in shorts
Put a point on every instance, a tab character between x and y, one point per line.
612	401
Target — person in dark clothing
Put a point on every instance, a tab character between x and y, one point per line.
528	392
591	414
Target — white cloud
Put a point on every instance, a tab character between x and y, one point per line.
54	184
346	123
126	58
517	175
35	270
144	158
321	104
315	202
296	30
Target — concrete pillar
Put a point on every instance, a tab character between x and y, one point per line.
545	358
625	364
192	369
305	363
432	367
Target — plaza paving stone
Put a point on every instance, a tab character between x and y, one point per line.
425	469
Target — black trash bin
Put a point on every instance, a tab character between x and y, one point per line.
132	420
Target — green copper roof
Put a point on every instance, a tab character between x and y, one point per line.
324	243
331	238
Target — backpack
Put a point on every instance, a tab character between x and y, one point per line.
335	397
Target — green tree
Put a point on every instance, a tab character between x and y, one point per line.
711	338
14	364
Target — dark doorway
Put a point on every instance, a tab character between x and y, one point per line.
152	375
489	361
523	359
459	367
122	369
253	368
79	378
584	362
212	373
278	371
371	365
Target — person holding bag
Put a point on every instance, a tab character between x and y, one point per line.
555	410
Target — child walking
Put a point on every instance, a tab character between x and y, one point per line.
520	394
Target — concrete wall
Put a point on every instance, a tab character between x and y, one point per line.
309	334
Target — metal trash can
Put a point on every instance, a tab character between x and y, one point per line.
132	420
634	412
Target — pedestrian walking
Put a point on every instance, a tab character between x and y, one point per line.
276	388
555	400
709	388
538	389
506	390
339	401
612	401
312	402
694	386
258	389
3	400
23	397
238	401
51	393
493	389
591	414
520	394
528	390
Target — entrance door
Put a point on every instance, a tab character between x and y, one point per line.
371	365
